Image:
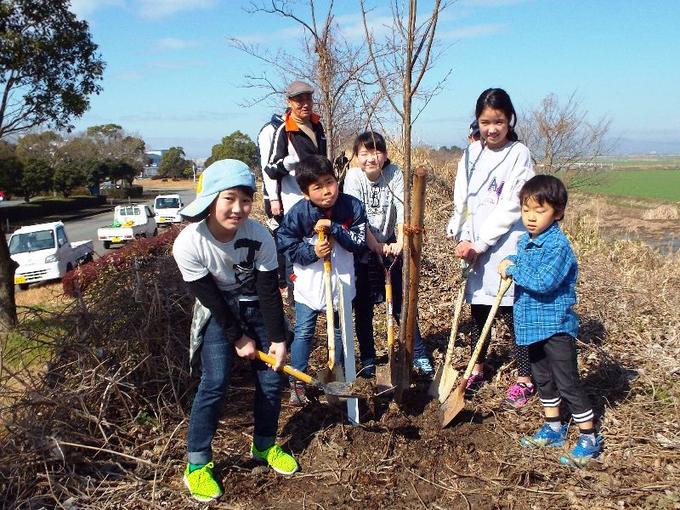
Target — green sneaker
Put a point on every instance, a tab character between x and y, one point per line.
202	484
278	460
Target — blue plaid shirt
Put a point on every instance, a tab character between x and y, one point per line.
544	271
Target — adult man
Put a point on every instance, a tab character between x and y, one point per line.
300	135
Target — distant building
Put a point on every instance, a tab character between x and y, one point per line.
153	160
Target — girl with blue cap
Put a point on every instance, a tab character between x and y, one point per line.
229	264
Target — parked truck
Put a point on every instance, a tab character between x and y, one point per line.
167	209
44	252
130	222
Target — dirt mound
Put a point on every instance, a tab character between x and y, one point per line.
663	212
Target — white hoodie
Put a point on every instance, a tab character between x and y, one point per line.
488	213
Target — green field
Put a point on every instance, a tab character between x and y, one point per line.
658	183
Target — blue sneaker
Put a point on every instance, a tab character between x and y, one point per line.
585	449
546	436
423	365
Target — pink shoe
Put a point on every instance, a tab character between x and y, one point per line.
474	382
518	394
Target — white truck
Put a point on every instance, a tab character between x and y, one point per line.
43	252
129	222
167	209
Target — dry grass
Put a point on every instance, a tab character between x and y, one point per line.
104	427
663	212
44	295
168	184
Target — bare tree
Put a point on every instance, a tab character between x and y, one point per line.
326	59
563	141
404	59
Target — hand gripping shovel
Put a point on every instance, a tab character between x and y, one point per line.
334	371
383	375
446	375
336	389
455	402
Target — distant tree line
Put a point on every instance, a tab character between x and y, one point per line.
45	162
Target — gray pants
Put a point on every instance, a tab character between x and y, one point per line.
555	372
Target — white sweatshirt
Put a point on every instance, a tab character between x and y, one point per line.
488	213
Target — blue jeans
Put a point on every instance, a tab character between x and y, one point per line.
217	355
305	325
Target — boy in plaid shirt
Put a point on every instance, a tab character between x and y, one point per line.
544	271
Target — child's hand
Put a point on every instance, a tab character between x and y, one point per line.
245	347
323	248
278	350
505	263
393	249
277	210
465	250
323	224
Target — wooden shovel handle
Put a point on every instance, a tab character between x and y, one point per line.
330	326
458	308
271	361
505	285
390	317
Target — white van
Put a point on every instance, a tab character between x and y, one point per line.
167	209
43	252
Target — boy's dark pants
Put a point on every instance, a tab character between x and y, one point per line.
370	290
555	371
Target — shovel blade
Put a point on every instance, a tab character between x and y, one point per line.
383	376
453	405
444	381
339	389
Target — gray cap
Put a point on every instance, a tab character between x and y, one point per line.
298	87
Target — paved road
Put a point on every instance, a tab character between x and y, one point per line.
86	228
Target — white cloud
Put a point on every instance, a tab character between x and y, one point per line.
163	8
491	3
84	8
173	43
472	31
285	34
128	76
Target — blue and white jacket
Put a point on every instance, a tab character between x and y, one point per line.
296	239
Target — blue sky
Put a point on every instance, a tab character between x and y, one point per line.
172	77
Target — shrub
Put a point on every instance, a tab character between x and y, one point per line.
136	252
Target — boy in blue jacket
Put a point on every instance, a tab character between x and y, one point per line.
544	271
344	218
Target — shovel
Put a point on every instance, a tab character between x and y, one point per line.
333	372
446	375
336	389
455	402
383	375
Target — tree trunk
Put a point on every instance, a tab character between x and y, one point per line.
402	363
8	308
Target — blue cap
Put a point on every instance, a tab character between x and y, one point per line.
221	175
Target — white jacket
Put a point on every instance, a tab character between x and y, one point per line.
488	213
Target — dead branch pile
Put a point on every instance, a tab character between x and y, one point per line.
103	424
102	414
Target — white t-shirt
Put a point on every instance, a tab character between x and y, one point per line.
310	284
232	264
383	199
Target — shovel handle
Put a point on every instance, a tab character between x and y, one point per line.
287	369
458	308
390	317
330	326
505	285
